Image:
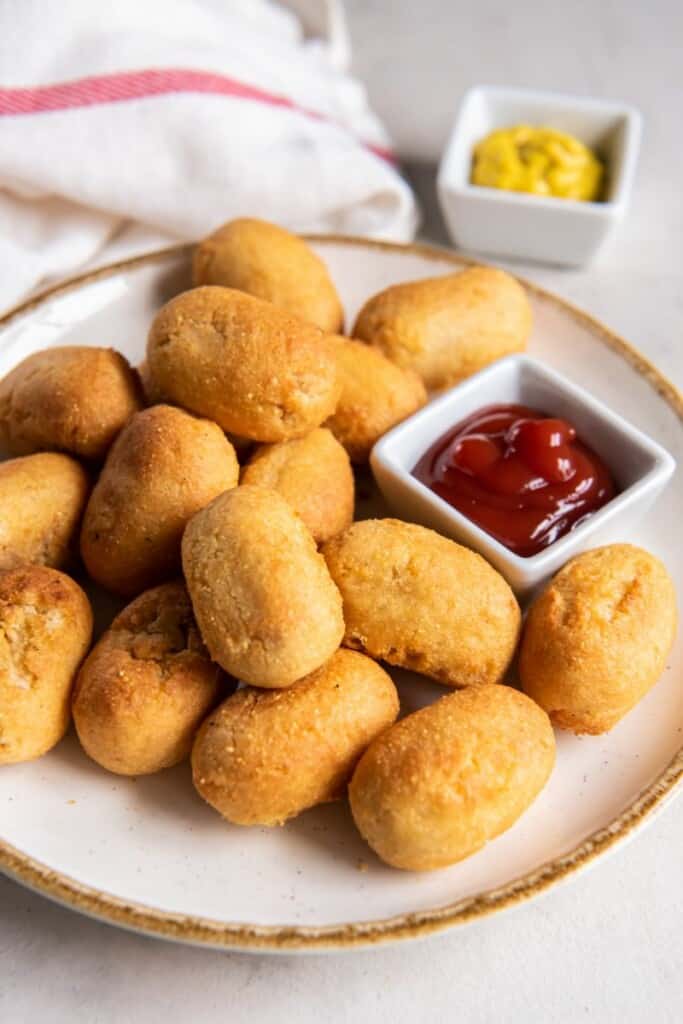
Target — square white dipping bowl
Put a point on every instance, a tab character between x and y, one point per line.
640	466
519	225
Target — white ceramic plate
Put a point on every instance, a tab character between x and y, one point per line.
148	854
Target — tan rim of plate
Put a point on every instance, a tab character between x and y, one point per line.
207	932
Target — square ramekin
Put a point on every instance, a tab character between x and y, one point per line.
640	466
523	226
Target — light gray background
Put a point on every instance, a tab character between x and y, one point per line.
606	946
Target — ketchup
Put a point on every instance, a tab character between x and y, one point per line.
519	474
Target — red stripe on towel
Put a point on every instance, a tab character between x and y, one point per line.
130	85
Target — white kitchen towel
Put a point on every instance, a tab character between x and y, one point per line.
128	125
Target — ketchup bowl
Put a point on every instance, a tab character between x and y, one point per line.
522	465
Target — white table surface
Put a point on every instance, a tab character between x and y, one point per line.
608	945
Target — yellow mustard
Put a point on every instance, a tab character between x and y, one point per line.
538	160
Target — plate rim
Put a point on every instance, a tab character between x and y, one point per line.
212	933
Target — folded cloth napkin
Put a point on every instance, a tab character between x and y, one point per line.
130	125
